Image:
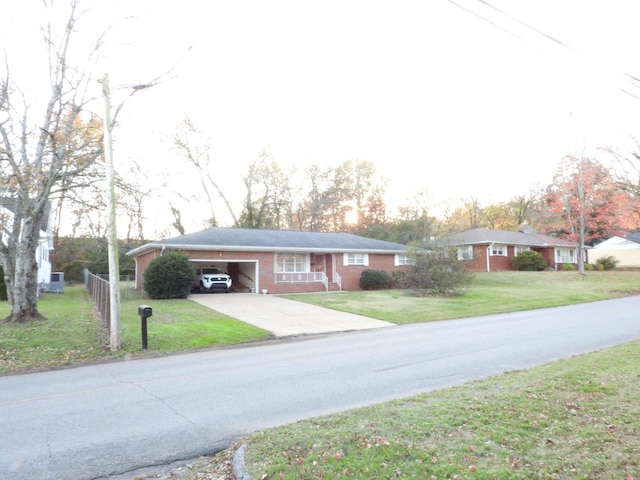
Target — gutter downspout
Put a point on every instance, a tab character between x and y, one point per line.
489	257
135	261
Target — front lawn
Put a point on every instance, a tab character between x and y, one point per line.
72	335
489	293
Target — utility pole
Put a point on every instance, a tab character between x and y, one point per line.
112	237
582	209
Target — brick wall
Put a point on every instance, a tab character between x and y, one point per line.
497	263
350	274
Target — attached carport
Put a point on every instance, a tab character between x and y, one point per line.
244	273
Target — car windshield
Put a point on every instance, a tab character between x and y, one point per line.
211	271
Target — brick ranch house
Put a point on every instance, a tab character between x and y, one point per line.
280	261
488	250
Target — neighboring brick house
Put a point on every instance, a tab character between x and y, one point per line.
280	261
493	250
45	242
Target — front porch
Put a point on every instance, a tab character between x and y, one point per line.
307	268
310	277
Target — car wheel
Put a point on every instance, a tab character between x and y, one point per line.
202	289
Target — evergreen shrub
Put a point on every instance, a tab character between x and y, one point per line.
169	276
529	260
608	263
375	280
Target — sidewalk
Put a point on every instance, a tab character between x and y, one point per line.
285	317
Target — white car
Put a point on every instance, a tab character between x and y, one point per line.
211	279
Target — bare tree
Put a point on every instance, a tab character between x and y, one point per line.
467	216
131	198
368	193
474	211
415	223
327	201
177	220
348	197
194	146
268	197
38	160
258	196
79	209
627	175
522	207
79	203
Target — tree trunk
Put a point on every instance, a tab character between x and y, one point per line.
21	276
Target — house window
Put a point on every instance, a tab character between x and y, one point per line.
356	259
465	252
402	259
498	250
565	255
518	250
291	262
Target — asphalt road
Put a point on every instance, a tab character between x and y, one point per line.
98	421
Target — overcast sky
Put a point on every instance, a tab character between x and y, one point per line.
453	97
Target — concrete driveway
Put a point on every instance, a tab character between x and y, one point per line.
285	317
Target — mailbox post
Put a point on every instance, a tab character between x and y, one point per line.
145	312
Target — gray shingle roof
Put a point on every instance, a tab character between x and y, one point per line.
241	239
480	236
10	204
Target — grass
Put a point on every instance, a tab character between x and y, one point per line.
182	325
489	293
72	334
574	419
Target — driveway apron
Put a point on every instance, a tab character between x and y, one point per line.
284	317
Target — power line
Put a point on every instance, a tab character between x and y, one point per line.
539	32
504	29
634	81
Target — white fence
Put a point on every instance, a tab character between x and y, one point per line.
303	277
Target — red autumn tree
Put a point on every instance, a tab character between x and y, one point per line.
583	199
